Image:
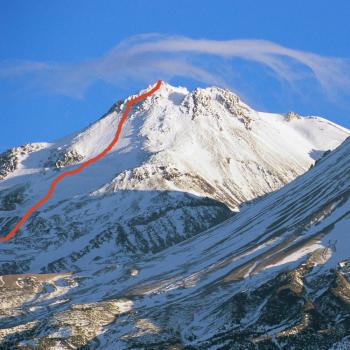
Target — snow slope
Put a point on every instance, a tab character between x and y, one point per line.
144	249
184	162
273	276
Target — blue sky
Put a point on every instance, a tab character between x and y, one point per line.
61	67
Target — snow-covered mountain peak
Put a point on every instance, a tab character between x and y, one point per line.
207	134
165	119
151	236
168	91
176	147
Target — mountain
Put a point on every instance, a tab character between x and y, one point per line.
186	236
185	162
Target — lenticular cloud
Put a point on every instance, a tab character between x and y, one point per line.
149	57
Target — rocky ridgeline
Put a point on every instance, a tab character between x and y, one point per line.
292	116
200	102
61	159
234	105
116	107
10	159
153	176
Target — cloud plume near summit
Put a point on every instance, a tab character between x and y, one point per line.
148	57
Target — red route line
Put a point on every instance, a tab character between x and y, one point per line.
83	165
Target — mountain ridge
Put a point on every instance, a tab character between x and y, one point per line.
209	226
173	142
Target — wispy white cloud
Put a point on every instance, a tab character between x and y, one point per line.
149	57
